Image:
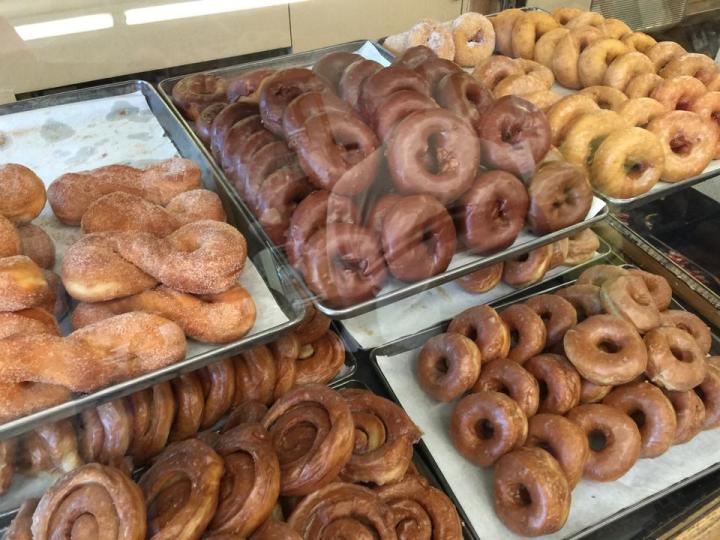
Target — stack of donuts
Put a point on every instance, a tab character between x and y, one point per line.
362	171
579	383
317	464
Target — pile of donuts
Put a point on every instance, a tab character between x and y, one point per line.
318	463
362	171
156	262
578	383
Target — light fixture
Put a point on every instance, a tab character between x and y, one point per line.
63	27
195	8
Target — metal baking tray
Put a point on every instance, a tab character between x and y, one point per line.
413	342
401	290
284	291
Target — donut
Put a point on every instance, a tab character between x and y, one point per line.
545	46
586	134
528	28
628	163
481	280
560	196
651	411
376	216
699	66
689	413
486	425
599	274
605	96
279	89
474	38
440	40
204	121
709	392
532	494
494	69
537	70
34	242
503	23
606	349
658	287
514	137
247	84
563	114
331	66
528	268
189	401
23	193
448	366
675	362
434	69
638	41
445	169
613	437
398	106
557	314
486	328
679	93
195	92
564	15
566	56
518	85
594	61
642	85
639	112
563	440
615	28
224	124
491	214
689	141
690	323
714	84
592	393
584	298
353	79
625	67
542	99
462	94
558	380
418	238
527	332
320	361
306	106
559	252
343	264
708	107
663	52
508	377
378	86
414	56
628	297
22	284
251	169
10	243
587	18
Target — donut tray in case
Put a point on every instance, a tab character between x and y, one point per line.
128	122
594	504
462	263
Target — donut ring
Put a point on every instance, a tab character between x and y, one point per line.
606	349
658	287
695	65
563	440
565	58
592	393
285	351
306	106
594	61
353	79
689	412
397	107
625	67
22	283
586	18
536	69
620	441
279	89
462	94
615	28
675	362
494	69
690	323
528	268
638	41
709	393
10	243
559	252
564	15
448	366
528	28
313	326
586	134
679	93
605	96
414	56
190	400
545	46
642	85
195	92
204	121
474	38
247	84
255	375
320	361
503	23
486	425
218	383
627	163
639	112
434	69
558	380
508	377
332	65
599	274
628	297
152	413
563	114
518	85
530	330
486	328
481	280
387	81
707	106
689	141
581	247
557	314
653	413
543	99
663	52
584	298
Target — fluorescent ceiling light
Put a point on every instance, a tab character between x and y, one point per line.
63	27
196	8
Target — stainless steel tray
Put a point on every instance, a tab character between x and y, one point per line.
417	340
403	290
281	285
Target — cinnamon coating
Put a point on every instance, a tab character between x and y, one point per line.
484	326
559	382
448	366
181	490
675	362
36	244
310	458
255	375
106	433
22	284
557	314
100	500
384	438
189	401
28	321
23	193
218	385
510	378
10	243
529	329
320	361
153	412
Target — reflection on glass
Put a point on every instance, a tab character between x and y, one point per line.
197	8
63	27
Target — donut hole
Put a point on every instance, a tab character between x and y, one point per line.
514	337
546	446
638	417
441	366
509	132
519	495
472	333
680	145
700	393
597	440
435	158
484	429
715	116
544	390
592	147
604	104
682	104
608	346
353	265
476	38
634	169
681	355
428	238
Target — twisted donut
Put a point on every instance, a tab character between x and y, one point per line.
218	385
181	490
508	377
106	433
255	375
23	193
320	361
22	399
448	366
101	501
152	412
189	401
36	244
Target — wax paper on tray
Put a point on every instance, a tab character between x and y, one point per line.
592	502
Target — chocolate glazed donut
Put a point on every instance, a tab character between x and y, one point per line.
414	56
247	84
385	82
514	137
308	105
418	238
492	212
464	95
397	107
354	77
331	66
205	119
434	69
225	120
433	152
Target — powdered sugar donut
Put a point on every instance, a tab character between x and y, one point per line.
474	38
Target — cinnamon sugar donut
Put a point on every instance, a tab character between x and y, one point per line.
508	377
529	328
545	46
448	366
23	193
642	85
474	38
586	134
528	28
581	247
558	380
494	69
638	41
695	65
565	112
709	393
9	239
629	298
605	96
675	362
639	112
594	61
679	93
689	413
486	328
708	107
481	280
584	298
528	268
565	59
625	67
690	323
557	314
663	52
22	283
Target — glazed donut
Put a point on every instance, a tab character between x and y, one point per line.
508	377
653	413
605	96
529	328
559	252
246	85
565	112
462	94
709	393
690	323
320	361
663	52
226	120
560	196
325	449
152	412
396	108
625	67
639	112
689	412
689	142
71	194
587	18
218	385
332	65
486	425
57	443
255	376
204	121
586	133
444	170
189	401
658	287
707	106
491	214
601	273
448	366
563	440
414	56
699	66
675	362
628	297
514	137
106	433
195	92
503	23
248	412
638	41
474	38
20	527
532	493
434	69
581	247
564	15
628	162
306	106
679	93
594	61
558	380
584	298
528	28
545	46
313	326
353	79
606	349
615	441
486	328
592	393
557	314
528	268
518	85
543	99
642	85
495	69
275	530
615	28
565	59
384	438
286	351
387	81
482	280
